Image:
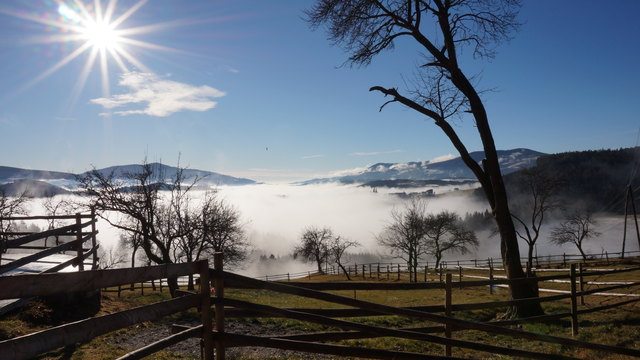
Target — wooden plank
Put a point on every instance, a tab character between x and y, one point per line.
613	287
357	285
50	251
339	350
70	261
18	286
233	280
47	217
330	335
391	332
162	344
28	346
65	230
345	313
605	307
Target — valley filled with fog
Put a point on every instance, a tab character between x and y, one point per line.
274	217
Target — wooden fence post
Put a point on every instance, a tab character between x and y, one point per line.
491	279
426	268
94	241
364	272
378	271
606	253
564	259
460	275
388	272
219	307
447	312
398	271
79	239
441	269
205	309
574	302
580	270
356	269
370	271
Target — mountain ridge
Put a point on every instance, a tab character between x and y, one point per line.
12	179
452	169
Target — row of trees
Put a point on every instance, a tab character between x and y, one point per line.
411	234
414	233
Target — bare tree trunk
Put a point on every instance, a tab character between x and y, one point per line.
172	282
344	270
513	268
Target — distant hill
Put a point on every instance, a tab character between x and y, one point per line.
207	178
8	174
596	178
13	181
31	188
510	161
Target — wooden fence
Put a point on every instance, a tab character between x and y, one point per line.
20	241
32	285
25	347
447	323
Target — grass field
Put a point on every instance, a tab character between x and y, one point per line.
619	326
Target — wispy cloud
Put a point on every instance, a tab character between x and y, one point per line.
372	153
162	97
313	156
442	158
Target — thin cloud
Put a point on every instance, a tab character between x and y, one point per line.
162	97
442	158
372	153
313	156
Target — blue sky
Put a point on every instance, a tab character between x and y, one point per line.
270	101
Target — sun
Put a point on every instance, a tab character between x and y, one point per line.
102	36
96	30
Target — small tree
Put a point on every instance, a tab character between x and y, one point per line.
537	190
404	236
315	244
337	248
445	232
577	227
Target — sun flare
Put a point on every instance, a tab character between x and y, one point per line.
101	35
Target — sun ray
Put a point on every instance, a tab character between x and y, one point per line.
83	76
104	70
111	6
125	54
148	45
129	12
116	56
55	67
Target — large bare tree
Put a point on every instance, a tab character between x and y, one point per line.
443	91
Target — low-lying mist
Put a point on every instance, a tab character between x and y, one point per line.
275	216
